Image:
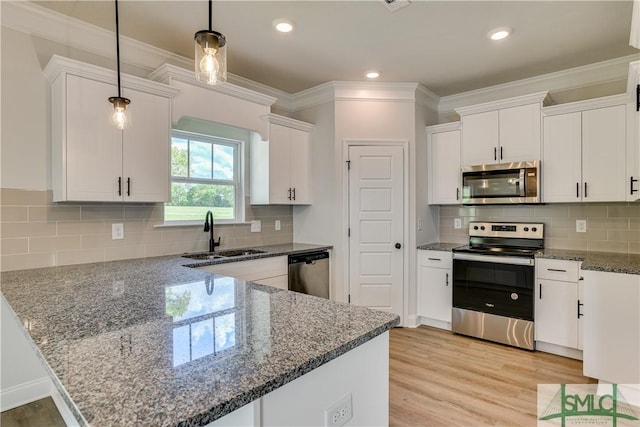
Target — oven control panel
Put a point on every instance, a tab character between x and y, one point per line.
521	230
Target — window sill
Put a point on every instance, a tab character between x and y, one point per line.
176	224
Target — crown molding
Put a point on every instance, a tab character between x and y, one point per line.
444	127
374	91
516	101
167	72
427	98
573	78
284	100
634	77
289	122
589	104
59	65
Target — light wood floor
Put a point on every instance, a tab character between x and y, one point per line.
441	379
41	413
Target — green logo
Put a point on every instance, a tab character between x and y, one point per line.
584	405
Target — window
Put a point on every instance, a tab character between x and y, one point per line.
205	176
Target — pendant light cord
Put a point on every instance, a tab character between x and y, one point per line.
210	14
118	48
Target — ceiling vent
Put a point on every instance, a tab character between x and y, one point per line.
394	5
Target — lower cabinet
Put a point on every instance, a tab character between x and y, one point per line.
612	327
558	308
272	271
435	289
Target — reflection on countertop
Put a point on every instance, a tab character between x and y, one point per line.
150	342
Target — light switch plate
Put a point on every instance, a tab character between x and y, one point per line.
278	226
457	223
581	225
256	226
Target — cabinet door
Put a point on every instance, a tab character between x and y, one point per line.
434	293
519	134
480	138
611	327
93	146
562	159
299	174
603	154
279	164
444	168
556	313
146	149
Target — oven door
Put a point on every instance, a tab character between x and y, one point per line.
497	285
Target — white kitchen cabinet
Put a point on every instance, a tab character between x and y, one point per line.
633	127
272	271
435	292
557	303
91	159
502	131
585	153
279	172
443	147
612	327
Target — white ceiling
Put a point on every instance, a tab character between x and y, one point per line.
441	44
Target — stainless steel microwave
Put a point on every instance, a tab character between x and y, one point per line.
507	183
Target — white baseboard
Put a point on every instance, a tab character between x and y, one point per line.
411	321
435	323
559	350
25	393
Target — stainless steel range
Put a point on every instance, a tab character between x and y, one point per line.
493	282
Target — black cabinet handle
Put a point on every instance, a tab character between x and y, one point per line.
577	189
501	157
579	313
556	269
119	186
128	186
434	259
495	153
446	279
458	193
631	181
540	292
294	193
585	190
638	98
289	193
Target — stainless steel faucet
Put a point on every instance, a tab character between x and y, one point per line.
208	227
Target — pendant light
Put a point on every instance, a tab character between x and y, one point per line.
211	54
119	117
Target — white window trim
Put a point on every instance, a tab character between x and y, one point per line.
239	181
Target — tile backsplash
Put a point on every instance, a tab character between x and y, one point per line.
36	232
611	227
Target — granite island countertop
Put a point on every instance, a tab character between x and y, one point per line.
151	342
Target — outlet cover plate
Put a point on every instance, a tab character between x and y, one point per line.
117	231
581	225
256	226
339	413
457	223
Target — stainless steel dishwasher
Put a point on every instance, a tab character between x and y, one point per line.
309	273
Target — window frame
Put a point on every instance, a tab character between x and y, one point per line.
237	182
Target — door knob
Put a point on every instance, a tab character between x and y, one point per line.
398	245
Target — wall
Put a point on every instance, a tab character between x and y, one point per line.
611	227
34	232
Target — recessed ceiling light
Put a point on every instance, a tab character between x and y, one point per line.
372	74
283	25
499	33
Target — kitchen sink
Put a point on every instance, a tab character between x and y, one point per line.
223	254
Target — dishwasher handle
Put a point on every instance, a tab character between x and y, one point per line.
308	258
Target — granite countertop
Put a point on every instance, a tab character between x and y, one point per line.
266	252
445	247
597	261
151	342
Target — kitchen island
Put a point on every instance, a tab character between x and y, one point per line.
151	342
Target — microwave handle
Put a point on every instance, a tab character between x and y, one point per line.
523	183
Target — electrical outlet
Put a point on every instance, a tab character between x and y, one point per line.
581	225
419	224
256	226
117	231
278	226
339	413
457	223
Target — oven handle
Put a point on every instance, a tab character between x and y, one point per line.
494	259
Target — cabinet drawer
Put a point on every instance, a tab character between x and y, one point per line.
256	269
557	269
438	259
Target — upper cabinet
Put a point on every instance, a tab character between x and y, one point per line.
92	160
585	152
443	148
633	153
502	131
279	167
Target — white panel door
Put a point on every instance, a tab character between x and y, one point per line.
562	162
376	218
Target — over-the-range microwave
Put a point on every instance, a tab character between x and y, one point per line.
506	183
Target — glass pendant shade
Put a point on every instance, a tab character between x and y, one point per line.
120	117
210	57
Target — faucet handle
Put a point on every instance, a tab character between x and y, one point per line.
217	243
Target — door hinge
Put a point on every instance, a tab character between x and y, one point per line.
348	164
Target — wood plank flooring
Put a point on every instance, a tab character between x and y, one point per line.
441	379
41	413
